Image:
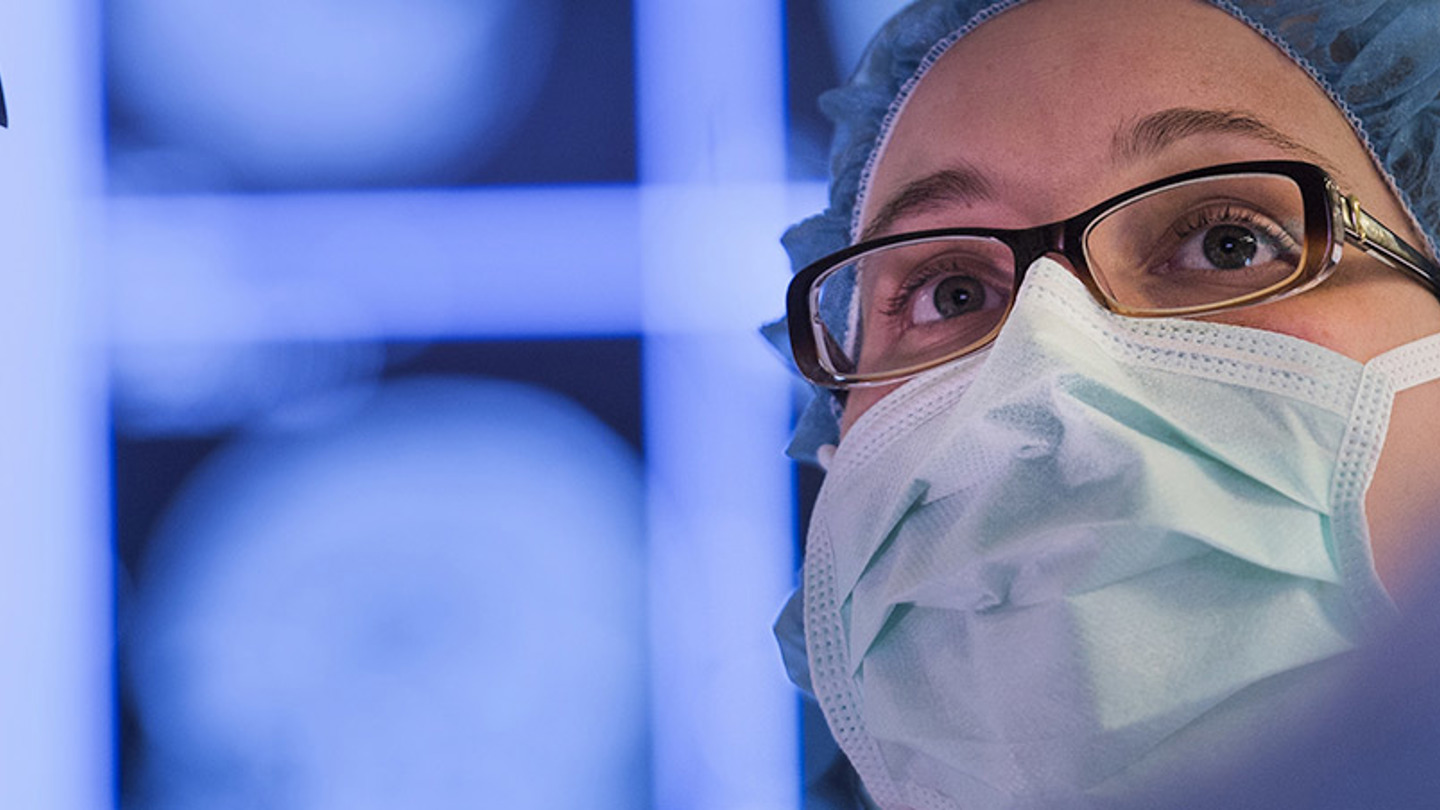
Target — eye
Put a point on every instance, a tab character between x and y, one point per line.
1229	240
1230	247
947	288
948	297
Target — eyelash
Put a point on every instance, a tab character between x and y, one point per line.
900	301
1210	216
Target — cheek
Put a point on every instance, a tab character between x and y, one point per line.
1403	504
1360	311
1289	318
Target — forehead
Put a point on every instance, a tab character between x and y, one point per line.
1035	99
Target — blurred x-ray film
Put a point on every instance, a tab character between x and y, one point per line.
446	458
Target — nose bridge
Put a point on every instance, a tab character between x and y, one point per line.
1055	242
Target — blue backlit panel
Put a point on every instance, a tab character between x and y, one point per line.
440	567
619	179
823	43
431	596
376	264
55	583
275	94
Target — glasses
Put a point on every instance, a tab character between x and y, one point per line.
1204	241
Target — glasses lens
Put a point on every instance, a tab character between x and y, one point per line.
1203	243
906	306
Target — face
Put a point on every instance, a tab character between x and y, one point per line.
1058	104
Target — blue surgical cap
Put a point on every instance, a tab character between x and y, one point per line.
1379	61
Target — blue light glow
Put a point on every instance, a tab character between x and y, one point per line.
711	80
483	263
56	723
218	302
376	265
852	24
435	600
721	567
322	92
716	403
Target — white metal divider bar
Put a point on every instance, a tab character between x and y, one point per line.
56	704
711	145
724	716
710	90
375	265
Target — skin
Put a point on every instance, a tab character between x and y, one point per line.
1058	79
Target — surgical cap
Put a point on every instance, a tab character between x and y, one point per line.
1379	61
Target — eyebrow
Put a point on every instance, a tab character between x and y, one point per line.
966	184
963	183
1158	131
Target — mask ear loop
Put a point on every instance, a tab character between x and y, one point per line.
1411	364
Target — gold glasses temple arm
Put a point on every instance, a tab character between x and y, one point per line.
1370	235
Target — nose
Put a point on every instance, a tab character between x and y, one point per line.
1064	260
1053	241
1060	255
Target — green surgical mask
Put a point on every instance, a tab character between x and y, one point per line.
1102	551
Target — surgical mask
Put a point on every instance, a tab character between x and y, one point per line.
1102	550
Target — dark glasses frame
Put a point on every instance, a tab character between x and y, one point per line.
1332	218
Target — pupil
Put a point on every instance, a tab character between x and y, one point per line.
1229	247
958	295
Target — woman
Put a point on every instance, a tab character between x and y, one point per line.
1135	385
